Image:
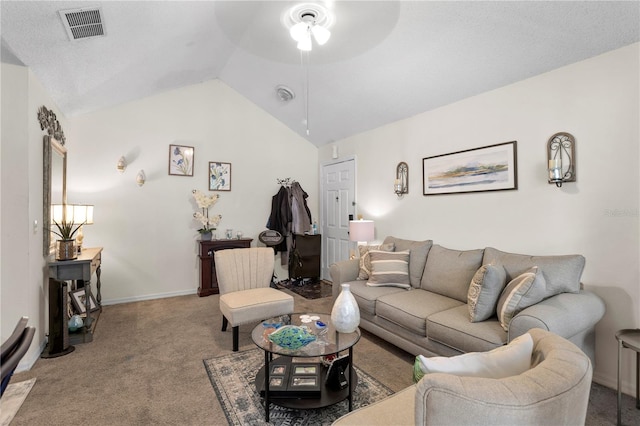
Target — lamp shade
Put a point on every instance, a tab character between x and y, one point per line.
361	230
72	213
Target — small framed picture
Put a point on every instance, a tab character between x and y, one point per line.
219	176
304	381
278	370
276	382
181	160
305	369
78	298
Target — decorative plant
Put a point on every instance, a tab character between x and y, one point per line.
65	229
204	202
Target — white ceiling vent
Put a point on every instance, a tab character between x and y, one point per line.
82	23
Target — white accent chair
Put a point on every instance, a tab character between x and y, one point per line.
244	278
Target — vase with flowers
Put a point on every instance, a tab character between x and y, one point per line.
209	223
66	246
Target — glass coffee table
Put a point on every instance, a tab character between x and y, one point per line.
328	343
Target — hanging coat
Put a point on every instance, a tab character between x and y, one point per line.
301	216
280	217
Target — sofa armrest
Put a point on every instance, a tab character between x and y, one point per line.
565	314
343	272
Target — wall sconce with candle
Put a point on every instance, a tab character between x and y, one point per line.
561	151
121	166
401	184
141	178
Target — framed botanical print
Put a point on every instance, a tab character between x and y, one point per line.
181	160
219	176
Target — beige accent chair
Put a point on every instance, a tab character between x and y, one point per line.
555	391
244	278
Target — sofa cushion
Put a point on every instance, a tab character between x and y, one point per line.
365	260
562	273
449	272
523	291
366	296
452	328
484	291
389	269
417	257
409	309
506	361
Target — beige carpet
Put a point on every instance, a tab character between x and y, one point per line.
145	366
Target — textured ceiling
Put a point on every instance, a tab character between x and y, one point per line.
385	61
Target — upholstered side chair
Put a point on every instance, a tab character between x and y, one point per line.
244	278
554	391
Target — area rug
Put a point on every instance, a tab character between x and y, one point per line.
12	400
314	289
233	379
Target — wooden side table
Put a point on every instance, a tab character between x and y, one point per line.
630	339
208	278
80	270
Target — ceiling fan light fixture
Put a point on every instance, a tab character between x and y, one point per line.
306	19
304	44
299	31
321	34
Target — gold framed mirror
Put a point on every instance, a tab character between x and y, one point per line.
54	187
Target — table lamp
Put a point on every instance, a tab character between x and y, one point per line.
77	214
361	231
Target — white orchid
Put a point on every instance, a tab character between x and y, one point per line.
204	202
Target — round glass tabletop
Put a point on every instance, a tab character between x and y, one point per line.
327	342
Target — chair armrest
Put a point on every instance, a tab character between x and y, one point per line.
343	272
565	314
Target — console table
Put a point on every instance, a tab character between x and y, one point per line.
208	278
80	270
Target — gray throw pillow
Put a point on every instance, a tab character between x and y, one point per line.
417	257
484	291
365	260
389	269
523	291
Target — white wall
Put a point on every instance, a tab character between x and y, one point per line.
148	233
597	101
22	285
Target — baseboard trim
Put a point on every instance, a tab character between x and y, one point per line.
147	297
628	388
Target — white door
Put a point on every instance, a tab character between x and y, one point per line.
338	191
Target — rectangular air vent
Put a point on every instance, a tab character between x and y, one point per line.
82	23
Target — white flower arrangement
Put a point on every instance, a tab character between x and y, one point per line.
204	202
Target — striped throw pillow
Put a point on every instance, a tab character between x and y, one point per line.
523	291
389	269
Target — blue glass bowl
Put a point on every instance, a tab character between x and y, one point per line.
291	337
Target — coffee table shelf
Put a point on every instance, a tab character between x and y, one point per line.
332	342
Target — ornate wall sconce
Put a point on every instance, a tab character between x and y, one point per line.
140	178
121	166
561	151
401	185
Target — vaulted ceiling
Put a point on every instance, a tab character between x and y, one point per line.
385	61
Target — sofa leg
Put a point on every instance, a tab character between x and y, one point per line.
235	338
224	323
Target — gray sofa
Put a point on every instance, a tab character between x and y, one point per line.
432	316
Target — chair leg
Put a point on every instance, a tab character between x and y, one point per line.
235	338
224	323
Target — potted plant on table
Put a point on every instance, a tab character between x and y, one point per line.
209	223
66	246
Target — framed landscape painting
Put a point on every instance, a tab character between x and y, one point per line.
181	160
488	168
219	176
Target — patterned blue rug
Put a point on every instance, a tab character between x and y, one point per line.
233	379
